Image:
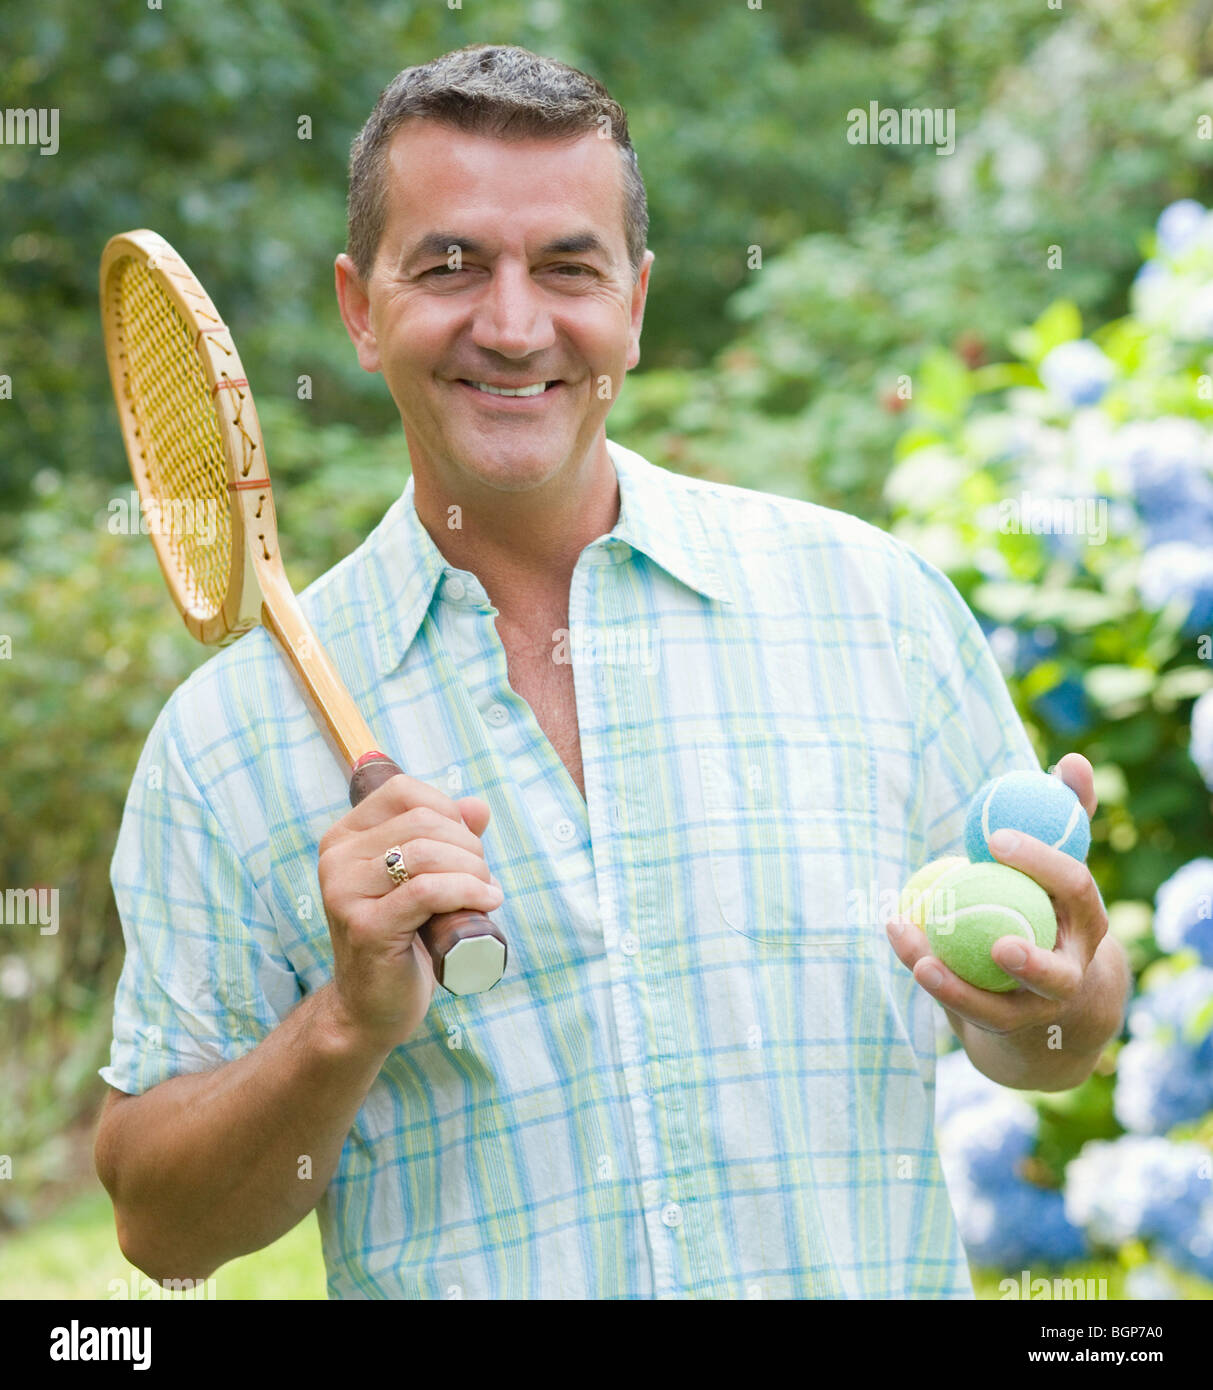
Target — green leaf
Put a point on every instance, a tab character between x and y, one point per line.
1196	1029
944	388
1184	683
1060	323
1124	341
1117	685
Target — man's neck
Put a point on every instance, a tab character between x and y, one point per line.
522	546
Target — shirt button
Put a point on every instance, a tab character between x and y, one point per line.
671	1214
629	944
456	589
564	830
498	714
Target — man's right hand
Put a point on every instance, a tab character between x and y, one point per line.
383	979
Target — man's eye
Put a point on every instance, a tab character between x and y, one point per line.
443	270
573	271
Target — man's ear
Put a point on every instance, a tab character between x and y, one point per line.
355	308
640	292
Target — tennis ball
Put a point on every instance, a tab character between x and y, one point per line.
1034	802
965	908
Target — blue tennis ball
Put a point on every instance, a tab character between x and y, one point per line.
965	908
1036	803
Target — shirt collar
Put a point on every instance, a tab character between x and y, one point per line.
659	515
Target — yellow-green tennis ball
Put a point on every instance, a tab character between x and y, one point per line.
909	904
965	908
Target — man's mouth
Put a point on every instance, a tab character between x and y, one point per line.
535	388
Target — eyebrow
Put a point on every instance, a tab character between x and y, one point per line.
437	245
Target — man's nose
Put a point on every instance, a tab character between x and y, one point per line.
512	318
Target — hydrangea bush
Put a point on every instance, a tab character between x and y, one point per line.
1069	495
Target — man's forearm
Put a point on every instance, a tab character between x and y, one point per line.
205	1167
1059	1055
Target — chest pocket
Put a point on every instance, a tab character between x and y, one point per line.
789	829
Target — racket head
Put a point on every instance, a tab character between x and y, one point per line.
191	432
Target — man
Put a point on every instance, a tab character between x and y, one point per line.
714	730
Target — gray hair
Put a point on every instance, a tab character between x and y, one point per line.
487	89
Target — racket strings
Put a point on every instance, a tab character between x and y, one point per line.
181	450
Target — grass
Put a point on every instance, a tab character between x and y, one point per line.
74	1254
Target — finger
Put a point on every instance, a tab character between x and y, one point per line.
475	812
423	897
1075	896
420	823
999	1013
908	940
1077	773
1054	975
396	796
369	878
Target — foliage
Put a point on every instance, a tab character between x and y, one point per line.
1049	488
187	119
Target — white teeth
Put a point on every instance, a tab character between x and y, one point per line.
535	390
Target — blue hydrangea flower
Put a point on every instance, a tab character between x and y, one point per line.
1151	1283
1149	271
1183	910
960	1087
983	1144
1032	646
1179	225
1170	1011
1191	1247
1164	1074
1180	571
1078	372
1065	708
1017	1226
1200	745
1166	465
1136	1188
1158	1087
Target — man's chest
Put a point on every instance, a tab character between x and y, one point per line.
546	684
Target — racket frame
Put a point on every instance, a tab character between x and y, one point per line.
258	591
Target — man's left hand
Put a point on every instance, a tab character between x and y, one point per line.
1054	983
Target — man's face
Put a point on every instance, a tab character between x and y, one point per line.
503	264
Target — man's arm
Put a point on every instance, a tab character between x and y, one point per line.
205	1167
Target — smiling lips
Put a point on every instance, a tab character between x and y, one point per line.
534	389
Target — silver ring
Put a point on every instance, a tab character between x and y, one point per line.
394	862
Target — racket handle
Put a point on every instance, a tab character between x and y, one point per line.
467	948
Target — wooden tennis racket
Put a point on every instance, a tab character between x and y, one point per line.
192	439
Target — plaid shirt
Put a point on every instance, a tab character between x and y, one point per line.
705	1073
